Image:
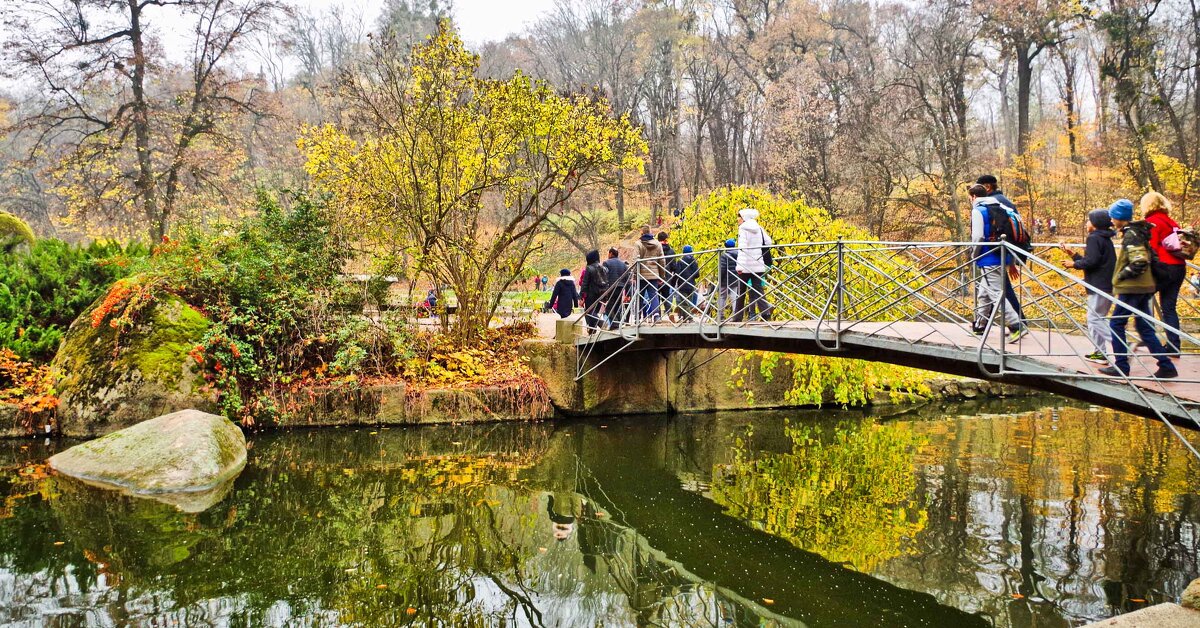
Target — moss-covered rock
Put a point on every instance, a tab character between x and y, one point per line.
103	389
173	458
14	232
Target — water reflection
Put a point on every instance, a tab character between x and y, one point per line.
1044	518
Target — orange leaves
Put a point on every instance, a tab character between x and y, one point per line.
29	387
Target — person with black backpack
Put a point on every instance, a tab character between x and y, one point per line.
592	286
992	185
1134	287
989	223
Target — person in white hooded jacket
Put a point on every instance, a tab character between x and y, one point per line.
751	267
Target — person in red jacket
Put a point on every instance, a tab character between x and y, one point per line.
1169	270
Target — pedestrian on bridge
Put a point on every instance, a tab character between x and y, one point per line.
992	185
990	288
1133	285
1169	269
1097	263
752	244
727	277
616	269
651	272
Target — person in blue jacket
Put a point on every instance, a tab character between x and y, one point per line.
566	295
992	186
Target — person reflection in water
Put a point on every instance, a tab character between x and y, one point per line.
563	512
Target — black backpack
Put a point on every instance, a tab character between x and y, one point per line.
1009	225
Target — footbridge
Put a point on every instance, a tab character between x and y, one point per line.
905	303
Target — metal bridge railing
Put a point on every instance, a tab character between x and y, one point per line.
911	292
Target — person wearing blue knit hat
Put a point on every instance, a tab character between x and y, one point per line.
727	278
1134	287
688	273
1121	209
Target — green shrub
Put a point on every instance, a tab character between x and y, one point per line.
266	284
44	289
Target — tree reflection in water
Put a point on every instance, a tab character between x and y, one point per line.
1048	517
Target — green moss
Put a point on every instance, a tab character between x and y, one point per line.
14	231
176	328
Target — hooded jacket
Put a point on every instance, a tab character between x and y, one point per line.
648	248
595	279
981	231
750	242
688	271
1162	225
1098	259
616	268
565	296
1131	274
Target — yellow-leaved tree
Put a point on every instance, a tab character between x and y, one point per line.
448	176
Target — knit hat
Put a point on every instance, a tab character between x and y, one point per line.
748	214
687	248
1121	210
564	272
1100	218
730	243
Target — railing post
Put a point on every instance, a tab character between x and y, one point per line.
841	289
1003	300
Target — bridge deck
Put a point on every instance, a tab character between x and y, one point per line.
1043	358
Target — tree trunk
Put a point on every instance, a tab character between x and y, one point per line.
1069	98
1024	82
144	182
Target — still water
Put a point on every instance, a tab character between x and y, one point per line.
972	515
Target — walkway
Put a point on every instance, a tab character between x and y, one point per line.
910	304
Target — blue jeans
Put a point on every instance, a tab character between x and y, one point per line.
1126	305
651	298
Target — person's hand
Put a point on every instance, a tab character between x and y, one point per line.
1066	249
1069	265
1014	272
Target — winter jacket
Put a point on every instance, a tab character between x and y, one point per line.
750	242
1131	274
1098	260
981	231
671	264
1003	200
565	296
616	269
594	281
727	269
1162	225
689	270
648	248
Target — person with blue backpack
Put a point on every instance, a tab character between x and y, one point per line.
992	185
989	222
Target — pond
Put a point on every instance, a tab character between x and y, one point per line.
965	515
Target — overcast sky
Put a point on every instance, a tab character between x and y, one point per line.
478	20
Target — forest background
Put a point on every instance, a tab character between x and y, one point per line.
878	112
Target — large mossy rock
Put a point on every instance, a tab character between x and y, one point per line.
103	389
187	459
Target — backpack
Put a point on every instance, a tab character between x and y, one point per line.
1182	243
1008	224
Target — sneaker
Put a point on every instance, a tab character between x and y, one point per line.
1018	333
1164	372
1112	371
978	331
1097	357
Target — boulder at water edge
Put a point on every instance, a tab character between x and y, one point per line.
187	458
103	389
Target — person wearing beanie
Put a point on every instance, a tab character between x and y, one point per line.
1097	262
650	271
565	296
727	277
751	267
1169	270
1133	286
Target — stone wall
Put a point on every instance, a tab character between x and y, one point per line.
395	404
699	381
